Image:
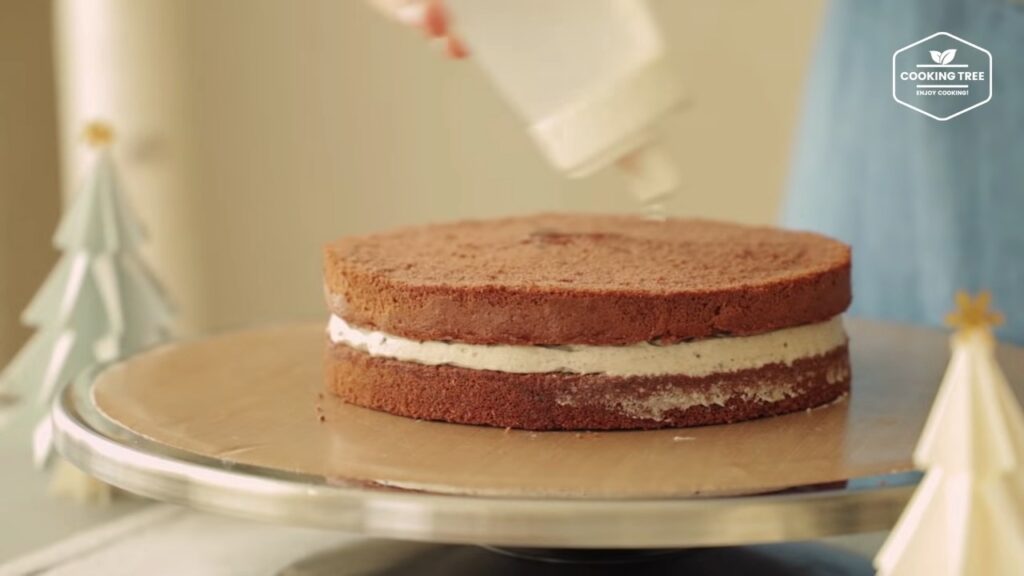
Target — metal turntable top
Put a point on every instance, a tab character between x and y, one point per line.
232	424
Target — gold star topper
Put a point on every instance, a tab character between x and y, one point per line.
973	312
98	134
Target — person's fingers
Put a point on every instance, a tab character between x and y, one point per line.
429	16
435	19
438	25
456	49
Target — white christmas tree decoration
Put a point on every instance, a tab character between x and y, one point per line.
99	303
967	515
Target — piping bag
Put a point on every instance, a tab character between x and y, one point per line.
589	77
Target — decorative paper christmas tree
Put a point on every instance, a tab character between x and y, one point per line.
100	302
967	516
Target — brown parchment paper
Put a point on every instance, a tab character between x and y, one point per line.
255	398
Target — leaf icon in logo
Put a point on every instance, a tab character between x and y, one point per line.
948	56
936	56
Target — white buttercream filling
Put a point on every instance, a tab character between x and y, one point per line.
695	358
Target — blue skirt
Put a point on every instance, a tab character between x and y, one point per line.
929	207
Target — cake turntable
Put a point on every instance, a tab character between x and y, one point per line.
236	424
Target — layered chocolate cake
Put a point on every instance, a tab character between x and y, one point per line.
597	322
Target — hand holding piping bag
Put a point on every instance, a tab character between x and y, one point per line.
429	16
587	107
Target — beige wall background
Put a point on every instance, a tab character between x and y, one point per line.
251	132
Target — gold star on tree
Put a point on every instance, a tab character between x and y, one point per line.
98	134
973	312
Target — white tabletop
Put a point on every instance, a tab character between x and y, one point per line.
31	517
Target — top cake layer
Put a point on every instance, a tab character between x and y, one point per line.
555	279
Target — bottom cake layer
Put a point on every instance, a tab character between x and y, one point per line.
562	401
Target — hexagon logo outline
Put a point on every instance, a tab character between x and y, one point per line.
989	79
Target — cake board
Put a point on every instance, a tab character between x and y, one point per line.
237	424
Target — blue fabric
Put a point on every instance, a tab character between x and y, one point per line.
929	207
